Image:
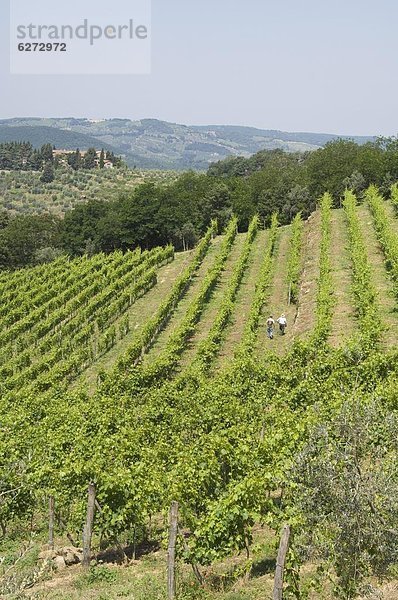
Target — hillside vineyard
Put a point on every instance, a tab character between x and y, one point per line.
153	374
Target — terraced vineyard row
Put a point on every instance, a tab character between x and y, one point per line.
59	319
152	374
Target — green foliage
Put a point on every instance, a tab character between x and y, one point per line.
90	159
345	484
364	291
385	233
152	328
73	323
16	155
24	236
95	575
294	260
325	299
208	349
222	445
331	168
48	173
247	343
394	195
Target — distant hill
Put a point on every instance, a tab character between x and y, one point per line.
150	143
38	135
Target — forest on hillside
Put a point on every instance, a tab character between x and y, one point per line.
179	213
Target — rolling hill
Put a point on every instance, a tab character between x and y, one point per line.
151	143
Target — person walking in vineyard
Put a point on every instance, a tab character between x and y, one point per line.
270	327
282	323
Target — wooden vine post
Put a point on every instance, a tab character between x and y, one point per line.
51	520
171	554
88	528
280	563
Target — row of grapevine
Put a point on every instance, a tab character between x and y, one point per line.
325	298
64	353
144	375
385	234
15	282
208	349
43	319
152	328
176	343
78	352
221	446
365	294
42	294
62	364
247	344
107	290
294	260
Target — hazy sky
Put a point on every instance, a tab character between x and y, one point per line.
295	65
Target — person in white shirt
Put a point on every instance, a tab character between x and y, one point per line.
282	323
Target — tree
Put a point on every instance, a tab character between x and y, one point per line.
4	219
46	255
48	173
389	146
356	182
217	204
298	200
82	224
75	160
102	159
35	160
138	218
328	167
90	159
47	153
345	489
25	235
15	155
186	236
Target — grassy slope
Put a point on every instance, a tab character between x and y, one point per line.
343	322
21	192
381	280
392	213
244	299
212	307
138	314
179	313
145	578
308	291
278	300
300	317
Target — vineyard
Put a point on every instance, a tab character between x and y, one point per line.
151	375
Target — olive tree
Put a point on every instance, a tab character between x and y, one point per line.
345	484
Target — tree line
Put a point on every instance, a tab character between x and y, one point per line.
151	215
21	156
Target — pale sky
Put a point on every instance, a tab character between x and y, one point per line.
295	65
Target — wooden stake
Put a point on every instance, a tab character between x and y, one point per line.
171	554
280	563
88	528
51	519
